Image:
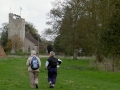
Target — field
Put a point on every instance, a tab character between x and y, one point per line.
72	75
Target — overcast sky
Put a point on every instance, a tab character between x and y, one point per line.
33	11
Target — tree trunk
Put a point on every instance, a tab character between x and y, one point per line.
75	54
113	63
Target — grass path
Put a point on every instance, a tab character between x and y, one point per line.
72	75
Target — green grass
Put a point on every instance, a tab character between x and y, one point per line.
72	75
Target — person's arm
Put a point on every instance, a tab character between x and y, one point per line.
39	63
28	62
46	64
59	61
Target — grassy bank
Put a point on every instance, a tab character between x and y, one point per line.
72	75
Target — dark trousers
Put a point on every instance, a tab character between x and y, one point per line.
52	74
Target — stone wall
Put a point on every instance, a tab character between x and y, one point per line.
28	46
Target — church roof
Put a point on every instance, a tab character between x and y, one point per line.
31	38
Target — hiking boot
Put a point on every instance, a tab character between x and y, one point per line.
36	86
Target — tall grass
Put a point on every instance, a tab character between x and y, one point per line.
72	75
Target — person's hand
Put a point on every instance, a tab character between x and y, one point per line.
58	66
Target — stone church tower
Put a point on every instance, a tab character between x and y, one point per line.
16	26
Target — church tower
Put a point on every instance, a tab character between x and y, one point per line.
16	26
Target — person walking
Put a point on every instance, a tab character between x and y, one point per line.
51	65
34	64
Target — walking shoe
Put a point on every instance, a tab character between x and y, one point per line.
36	86
51	86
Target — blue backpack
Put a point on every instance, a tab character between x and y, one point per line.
34	63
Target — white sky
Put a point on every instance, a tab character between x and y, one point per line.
33	11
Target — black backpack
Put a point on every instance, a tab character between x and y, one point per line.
54	62
34	63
